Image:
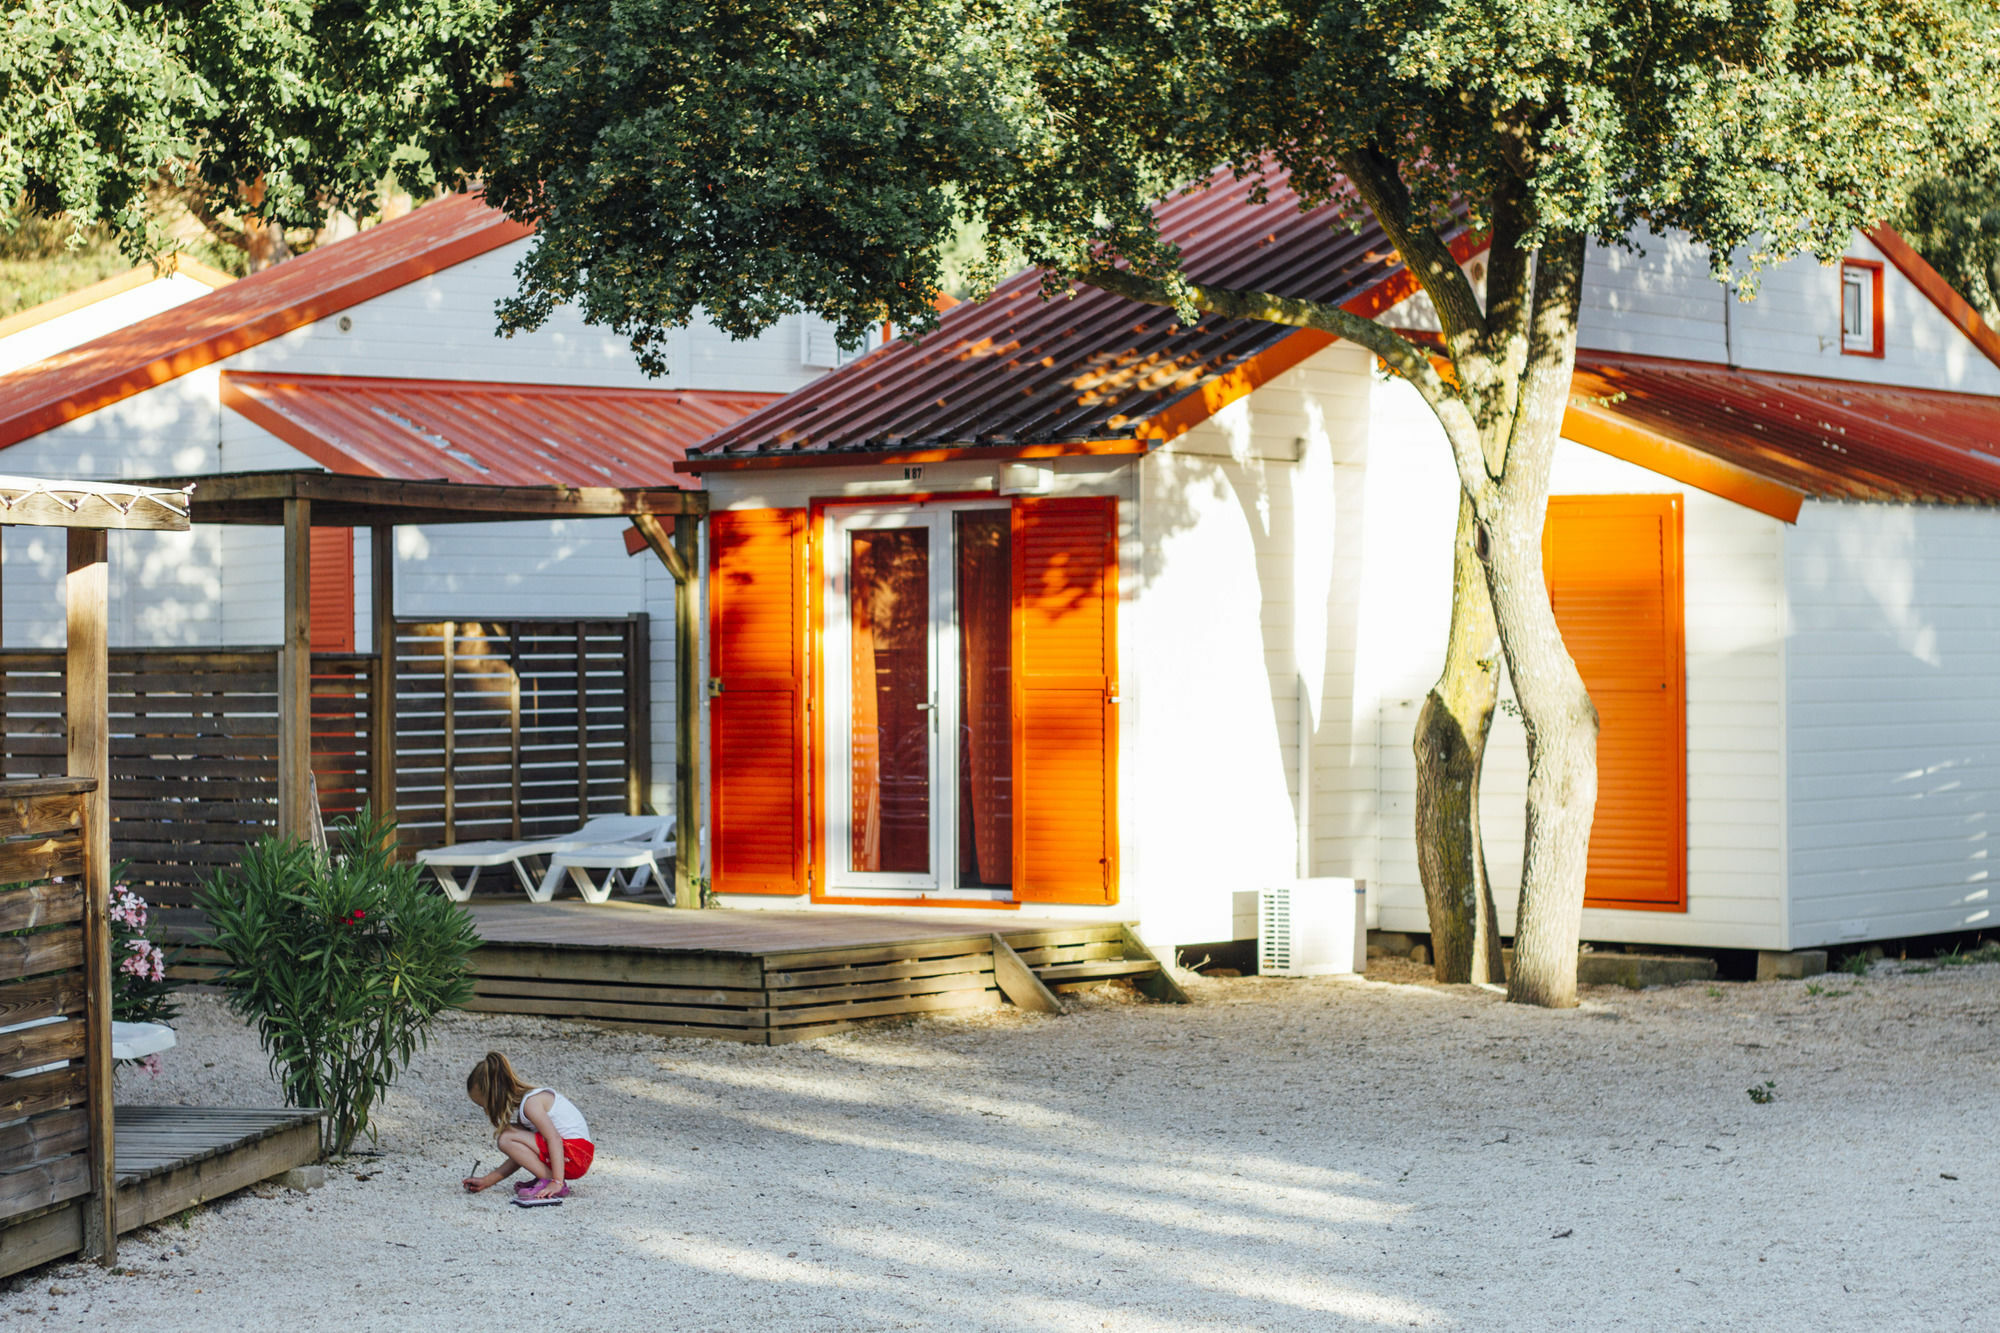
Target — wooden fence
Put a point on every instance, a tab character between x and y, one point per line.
515	728
49	1107
518	728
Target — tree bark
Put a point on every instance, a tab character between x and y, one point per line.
1450	748
1556	710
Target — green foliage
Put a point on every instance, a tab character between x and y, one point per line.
758	157
287	107
1764	1093
1953	221
341	961
1989	952
1857	964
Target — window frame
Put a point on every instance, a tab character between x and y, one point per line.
1870	272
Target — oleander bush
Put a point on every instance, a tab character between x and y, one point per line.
342	959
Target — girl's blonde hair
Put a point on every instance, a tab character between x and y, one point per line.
497	1088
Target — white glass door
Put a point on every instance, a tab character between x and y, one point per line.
919	701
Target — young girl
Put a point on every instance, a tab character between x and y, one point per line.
527	1121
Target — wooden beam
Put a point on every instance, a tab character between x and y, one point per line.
353	501
34	502
1158	985
382	691
87	710
661	540
295	677
687	709
1018	982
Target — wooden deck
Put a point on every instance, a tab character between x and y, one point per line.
170	1158
768	977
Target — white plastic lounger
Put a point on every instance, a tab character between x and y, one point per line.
484	855
628	866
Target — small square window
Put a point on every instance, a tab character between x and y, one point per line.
1860	308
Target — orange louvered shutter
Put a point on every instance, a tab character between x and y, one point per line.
1613	564
757	725
333	590
1065	700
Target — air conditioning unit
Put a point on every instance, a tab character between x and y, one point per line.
1313	928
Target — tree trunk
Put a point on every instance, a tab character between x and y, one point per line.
1450	748
1556	710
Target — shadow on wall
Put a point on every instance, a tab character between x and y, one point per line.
1895	720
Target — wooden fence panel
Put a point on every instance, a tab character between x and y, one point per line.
45	1140
504	729
520	728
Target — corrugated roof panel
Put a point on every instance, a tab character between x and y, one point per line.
1831	439
497	434
247	312
1015	369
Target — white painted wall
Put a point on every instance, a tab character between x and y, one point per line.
78	326
1658	300
1251	526
1735	673
1894	676
443	327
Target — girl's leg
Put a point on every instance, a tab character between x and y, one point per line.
519	1145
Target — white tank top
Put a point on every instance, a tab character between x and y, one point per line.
562	1114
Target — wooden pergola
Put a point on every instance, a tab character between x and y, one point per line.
35	809
668	519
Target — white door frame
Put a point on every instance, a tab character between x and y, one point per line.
934	516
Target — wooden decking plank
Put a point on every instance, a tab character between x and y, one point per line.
967	980
665	1013
827	976
908	1004
715	996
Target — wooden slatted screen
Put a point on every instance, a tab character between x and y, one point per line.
1065	700
1613	564
44	1079
194	739
518	728
757	724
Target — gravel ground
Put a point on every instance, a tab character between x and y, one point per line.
1281	1155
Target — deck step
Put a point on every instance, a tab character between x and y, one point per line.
1101	969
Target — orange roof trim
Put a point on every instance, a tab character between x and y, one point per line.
1941	293
247	312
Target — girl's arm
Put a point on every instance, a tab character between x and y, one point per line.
537	1112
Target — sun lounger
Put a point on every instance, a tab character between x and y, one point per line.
651	830
629	866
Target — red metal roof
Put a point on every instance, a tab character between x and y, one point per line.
496	434
247	312
1016	370
1830	439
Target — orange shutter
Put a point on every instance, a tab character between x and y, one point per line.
333	590
757	724
1614	570
1065	700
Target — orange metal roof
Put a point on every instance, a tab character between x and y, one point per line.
494	434
1088	372
1829	439
247	312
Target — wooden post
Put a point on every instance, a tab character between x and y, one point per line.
86	590
295	677
382	696
680	552
687	707
639	714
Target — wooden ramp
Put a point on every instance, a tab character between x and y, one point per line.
169	1158
772	977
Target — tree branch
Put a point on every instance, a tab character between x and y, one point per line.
1551	361
1424	252
1399	353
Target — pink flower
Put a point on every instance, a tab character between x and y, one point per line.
151	1064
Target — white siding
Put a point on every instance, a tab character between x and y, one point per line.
1251	527
1895	721
1658	300
1735	655
443	327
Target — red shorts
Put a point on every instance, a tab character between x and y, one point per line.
576	1155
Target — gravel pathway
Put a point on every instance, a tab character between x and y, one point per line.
1281	1155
